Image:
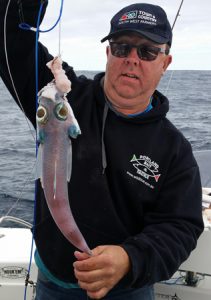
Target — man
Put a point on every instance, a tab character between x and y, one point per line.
135	189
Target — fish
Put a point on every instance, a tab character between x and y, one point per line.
56	126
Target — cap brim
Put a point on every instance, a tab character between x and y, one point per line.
153	37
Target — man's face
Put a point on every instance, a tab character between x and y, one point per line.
130	81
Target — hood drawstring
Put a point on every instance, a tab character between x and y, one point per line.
108	105
104	160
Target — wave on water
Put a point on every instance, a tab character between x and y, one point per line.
15	151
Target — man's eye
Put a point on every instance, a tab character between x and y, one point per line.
151	50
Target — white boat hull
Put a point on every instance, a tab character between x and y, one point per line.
15	248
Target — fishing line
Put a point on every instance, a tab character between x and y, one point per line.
35	194
27	27
13	85
172	27
168	83
19	102
37	30
60	29
9	71
19	195
36	91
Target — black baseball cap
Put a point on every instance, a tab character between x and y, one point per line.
145	19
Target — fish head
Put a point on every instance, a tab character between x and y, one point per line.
55	115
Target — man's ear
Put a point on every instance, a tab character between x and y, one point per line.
167	62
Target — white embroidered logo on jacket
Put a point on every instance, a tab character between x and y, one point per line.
146	168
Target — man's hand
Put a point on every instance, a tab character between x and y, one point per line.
99	273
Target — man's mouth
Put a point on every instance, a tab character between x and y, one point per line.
130	75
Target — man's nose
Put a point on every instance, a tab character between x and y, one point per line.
132	57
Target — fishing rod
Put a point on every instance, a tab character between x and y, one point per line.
177	15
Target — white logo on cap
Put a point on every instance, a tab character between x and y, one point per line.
136	16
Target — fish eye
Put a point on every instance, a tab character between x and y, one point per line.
42	115
61	111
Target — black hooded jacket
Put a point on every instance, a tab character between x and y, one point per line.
134	182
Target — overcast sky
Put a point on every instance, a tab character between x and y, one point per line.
85	23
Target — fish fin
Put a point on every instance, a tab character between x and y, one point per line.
69	162
38	165
74	131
